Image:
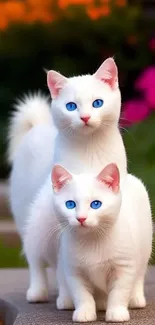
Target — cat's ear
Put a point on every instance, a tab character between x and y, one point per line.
60	176
110	176
108	73
55	82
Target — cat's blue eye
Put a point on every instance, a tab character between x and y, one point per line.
95	204
71	106
98	103
70	204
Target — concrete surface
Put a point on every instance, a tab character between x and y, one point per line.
15	310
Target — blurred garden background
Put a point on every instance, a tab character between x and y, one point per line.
74	37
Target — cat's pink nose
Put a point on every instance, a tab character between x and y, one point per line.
81	220
85	119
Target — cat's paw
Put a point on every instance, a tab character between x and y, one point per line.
86	313
138	301
117	314
64	302
37	295
101	304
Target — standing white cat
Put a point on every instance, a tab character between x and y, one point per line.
105	243
86	111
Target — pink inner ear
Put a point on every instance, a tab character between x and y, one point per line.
60	176
108	73
55	82
110	176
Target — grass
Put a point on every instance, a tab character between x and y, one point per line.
11	257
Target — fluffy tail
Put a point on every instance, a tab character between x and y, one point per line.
30	111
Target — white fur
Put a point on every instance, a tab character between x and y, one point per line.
77	147
100	266
31	145
83	148
32	110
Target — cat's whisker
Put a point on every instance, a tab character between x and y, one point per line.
66	129
54	231
124	119
69	131
57	231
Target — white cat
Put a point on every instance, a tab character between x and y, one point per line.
104	247
86	112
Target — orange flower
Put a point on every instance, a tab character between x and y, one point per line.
65	3
14	10
37	15
40	10
95	13
39	4
105	1
105	11
3	23
121	3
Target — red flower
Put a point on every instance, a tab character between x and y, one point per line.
146	79
134	111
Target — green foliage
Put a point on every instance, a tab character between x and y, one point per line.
152	259
140	145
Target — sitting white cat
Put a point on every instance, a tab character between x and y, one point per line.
105	241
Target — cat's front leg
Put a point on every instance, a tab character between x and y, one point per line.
64	300
38	290
138	298
120	287
85	308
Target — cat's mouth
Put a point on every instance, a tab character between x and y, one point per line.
87	126
84	227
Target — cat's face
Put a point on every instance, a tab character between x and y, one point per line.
84	201
84	104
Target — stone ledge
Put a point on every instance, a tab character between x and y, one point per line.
13	285
4	200
8	233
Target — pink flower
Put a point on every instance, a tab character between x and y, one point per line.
134	111
152	44
146	79
150	97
